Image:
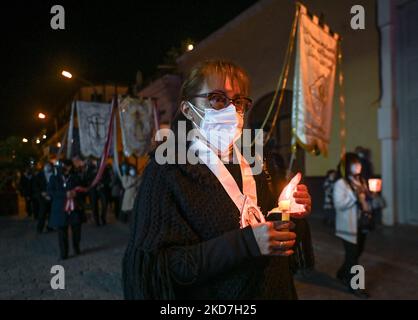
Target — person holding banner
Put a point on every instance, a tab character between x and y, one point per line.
66	207
199	230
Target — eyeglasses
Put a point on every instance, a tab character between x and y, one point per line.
219	100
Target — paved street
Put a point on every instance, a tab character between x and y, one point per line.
27	258
390	260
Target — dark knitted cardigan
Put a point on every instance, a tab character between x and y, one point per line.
186	242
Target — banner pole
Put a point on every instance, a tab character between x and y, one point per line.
282	80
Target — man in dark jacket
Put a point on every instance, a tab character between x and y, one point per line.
61	189
41	194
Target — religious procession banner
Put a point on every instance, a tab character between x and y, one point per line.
93	124
137	125
313	86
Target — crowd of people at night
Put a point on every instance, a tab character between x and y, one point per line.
48	191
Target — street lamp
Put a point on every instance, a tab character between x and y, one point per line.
41	115
44	136
67	74
38	141
24	140
190	47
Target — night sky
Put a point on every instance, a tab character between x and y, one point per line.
103	41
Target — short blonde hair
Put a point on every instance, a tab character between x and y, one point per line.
210	70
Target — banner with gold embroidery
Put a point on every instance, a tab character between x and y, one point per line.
313	86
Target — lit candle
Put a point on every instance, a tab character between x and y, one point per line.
375	185
286	203
284	207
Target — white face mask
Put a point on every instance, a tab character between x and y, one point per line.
355	169
132	173
221	128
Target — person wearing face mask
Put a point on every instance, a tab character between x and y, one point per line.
44	200
366	164
351	201
67	207
199	230
130	183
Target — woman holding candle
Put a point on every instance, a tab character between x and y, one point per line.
199	231
351	204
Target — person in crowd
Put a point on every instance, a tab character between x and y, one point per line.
199	230
116	192
26	188
352	205
90	175
130	183
103	191
44	200
328	207
366	164
80	168
378	203
67	207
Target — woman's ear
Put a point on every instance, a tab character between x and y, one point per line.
186	110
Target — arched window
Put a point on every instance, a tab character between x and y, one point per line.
281	138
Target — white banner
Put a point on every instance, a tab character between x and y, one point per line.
93	123
137	125
313	87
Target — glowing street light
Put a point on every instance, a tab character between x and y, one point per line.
24	140
41	115
59	144
44	136
66	74
190	47
38	141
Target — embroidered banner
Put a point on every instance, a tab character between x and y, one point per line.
137	125
313	86
93	123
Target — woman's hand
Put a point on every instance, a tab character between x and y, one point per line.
363	202
274	239
302	196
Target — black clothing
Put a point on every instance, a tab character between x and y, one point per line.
41	187
99	193
97	196
57	191
27	190
63	240
186	242
352	255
